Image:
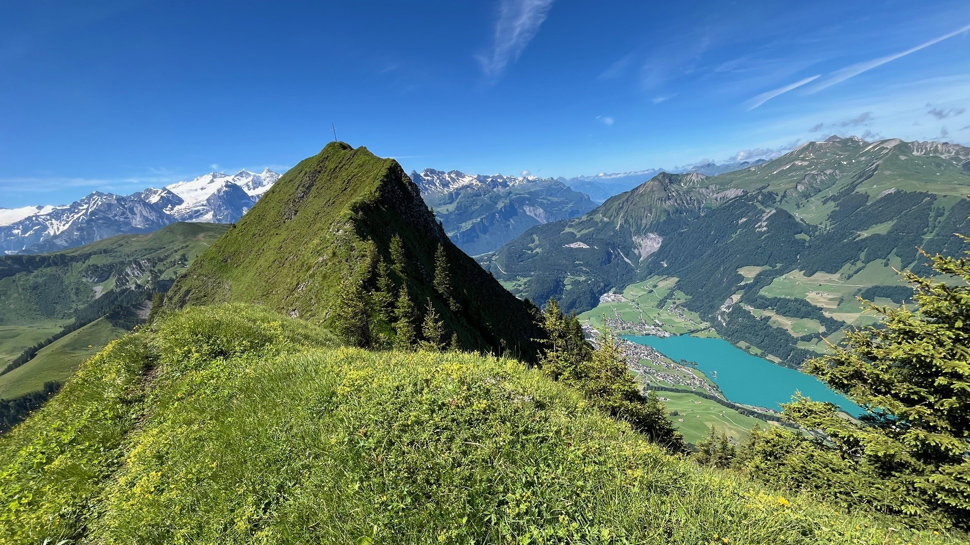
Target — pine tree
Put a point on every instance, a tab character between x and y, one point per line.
433	330
715	450
383	296
404	326
399	260
442	277
454	346
382	299
353	313
603	377
567	347
911	453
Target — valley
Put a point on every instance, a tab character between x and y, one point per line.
507	272
61	308
342	280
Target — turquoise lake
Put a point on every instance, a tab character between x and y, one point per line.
744	378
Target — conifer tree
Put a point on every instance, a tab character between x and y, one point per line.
404	313
382	300
383	296
603	377
442	277
715	450
433	330
454	346
567	347
398	257
910	454
353	313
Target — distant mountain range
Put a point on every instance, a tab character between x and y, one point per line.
831	219
481	213
603	186
213	198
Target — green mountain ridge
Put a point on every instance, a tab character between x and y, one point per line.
333	217
835	216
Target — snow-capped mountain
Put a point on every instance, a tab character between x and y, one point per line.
214	197
13	215
480	213
229	192
438	182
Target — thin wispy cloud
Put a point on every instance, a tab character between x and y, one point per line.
861	119
943	114
517	25
856	69
618	68
606	120
754	154
658	100
765	97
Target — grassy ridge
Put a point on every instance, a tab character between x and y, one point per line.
328	218
234	425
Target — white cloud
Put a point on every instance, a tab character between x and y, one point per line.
763	153
214	166
765	97
856	69
526	173
606	120
517	24
618	68
658	100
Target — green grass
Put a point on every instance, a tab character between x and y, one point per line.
695	415
235	425
14	339
330	218
37	290
60	359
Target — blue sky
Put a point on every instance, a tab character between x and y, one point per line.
119	95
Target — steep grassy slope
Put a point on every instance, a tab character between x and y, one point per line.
231	424
772	256
34	288
330	218
43	297
60	359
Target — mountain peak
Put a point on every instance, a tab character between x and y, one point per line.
330	218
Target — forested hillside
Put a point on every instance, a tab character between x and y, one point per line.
773	255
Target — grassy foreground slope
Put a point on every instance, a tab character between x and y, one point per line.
231	424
